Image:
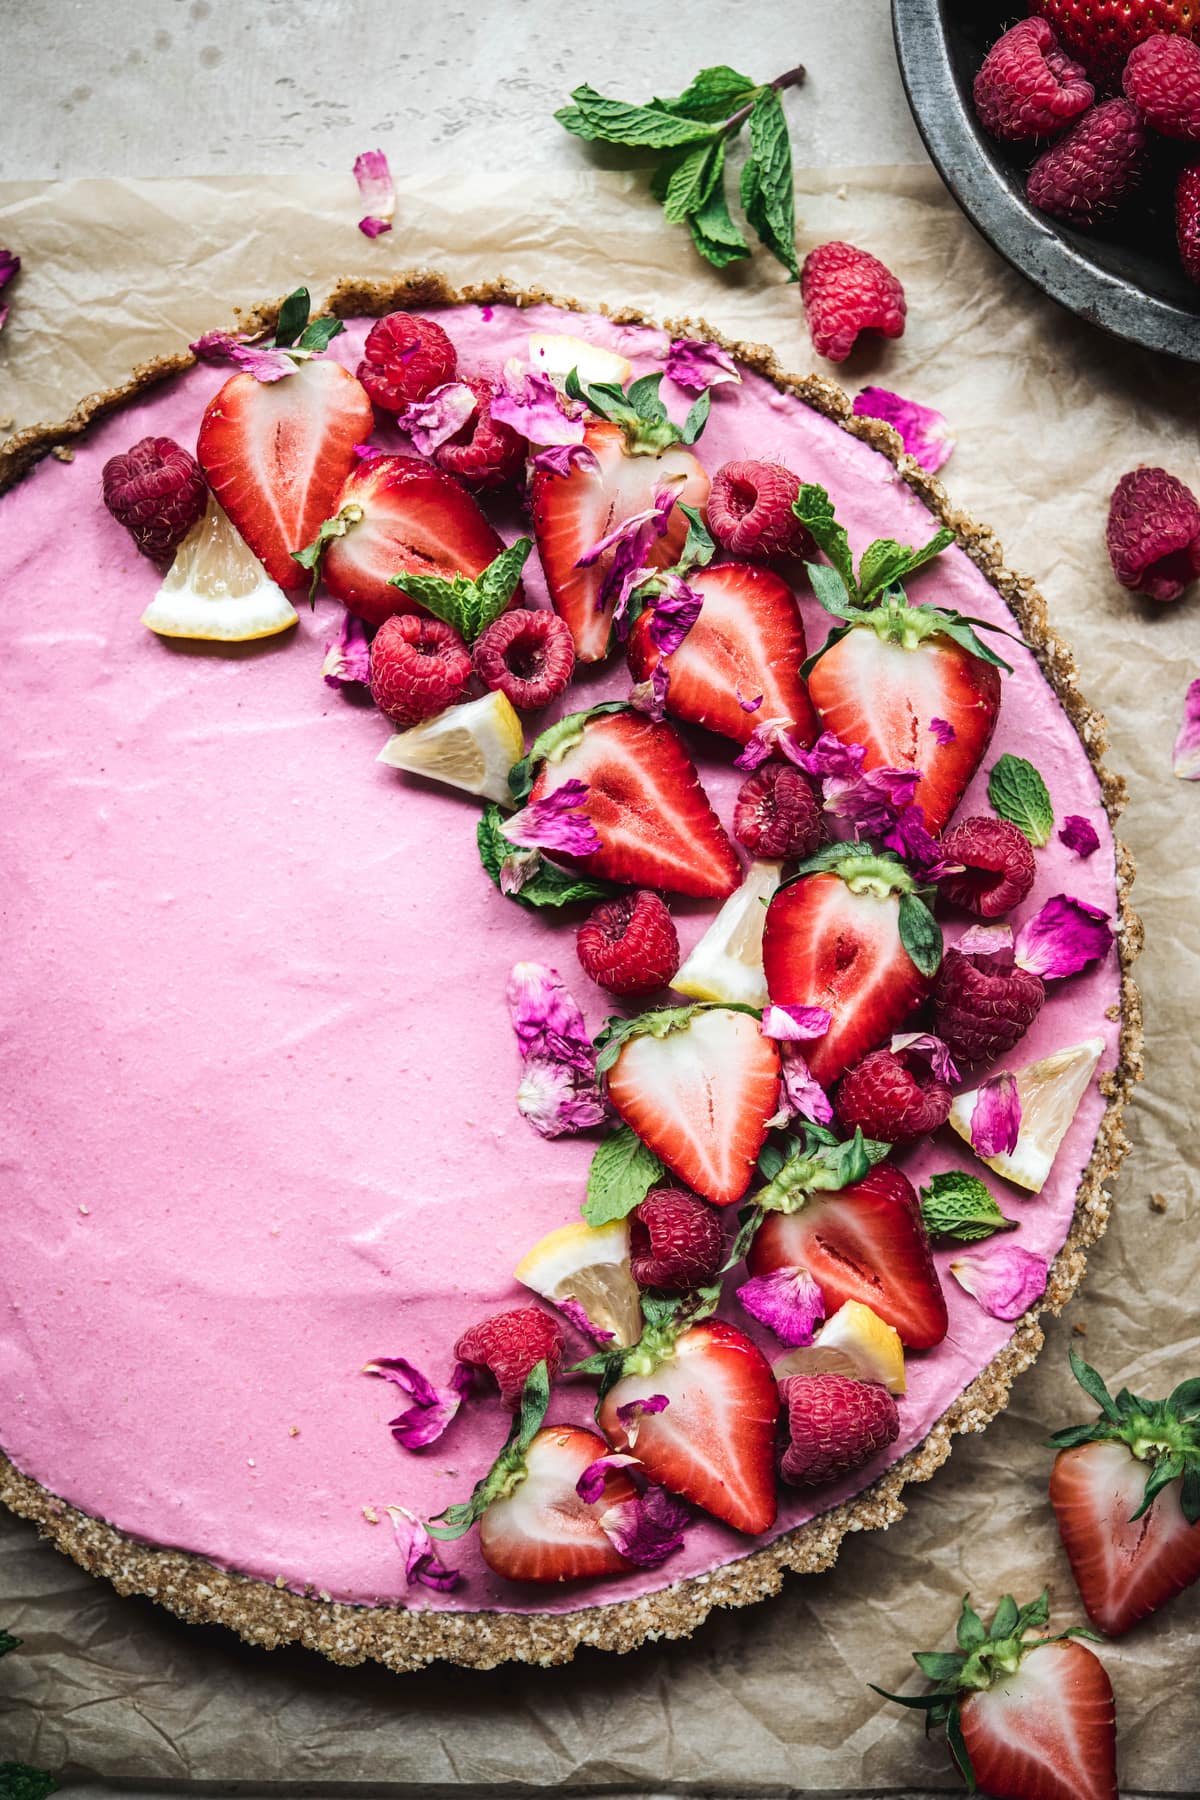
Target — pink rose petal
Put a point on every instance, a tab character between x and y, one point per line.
800	1091
560	459
931	1050
573	1311
986	940
830	757
630	1415
10	265
347	654
558	1091
943	730
748	706
1079	835
1064	937
432	1407
650	697
439	416
557	1099
996	1120
648	1529
674	612
590	1485
533	406
696	366
787	1301
879	804
422	1562
1187	744
923	430
378	192
558	822
262	361
773	737
1005	1279
628	545
796	1024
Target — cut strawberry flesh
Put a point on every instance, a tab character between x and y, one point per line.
543	1531
415	518
571	513
825	946
714	1444
878	694
1124	1571
700	1098
748	640
865	1242
1047	1730
654	820
276	454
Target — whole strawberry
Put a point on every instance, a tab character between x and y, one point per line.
1086	175
845	291
1101	33
1162	79
157	490
1153	533
1187	218
1126	1494
1028	87
834	1425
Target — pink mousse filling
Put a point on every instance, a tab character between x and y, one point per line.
260	1122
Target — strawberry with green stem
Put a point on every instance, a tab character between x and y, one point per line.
1026	1718
1126	1494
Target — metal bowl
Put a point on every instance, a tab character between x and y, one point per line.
1126	276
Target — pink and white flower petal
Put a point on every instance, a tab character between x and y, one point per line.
648	1529
432	1407
1067	935
923	430
378	192
996	1119
1005	1279
695	366
422	1563
1187	744
931	1049
787	1301
441	415
557	822
796	1024
347	654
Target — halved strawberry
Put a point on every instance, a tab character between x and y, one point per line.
748	640
1129	1558
412	517
826	944
866	1242
699	1095
542	1530
277	452
714	1443
884	694
655	824
573	512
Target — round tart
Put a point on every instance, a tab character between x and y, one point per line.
262	1125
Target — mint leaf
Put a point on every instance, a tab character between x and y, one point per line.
712	95
549	886
1018	793
713	230
885	563
691	182
469	606
8	1642
319	334
767	194
648	127
814	509
921	935
960	1206
19	1782
497	584
622	1173
293	317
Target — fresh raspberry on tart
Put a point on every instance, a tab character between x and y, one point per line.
486	453
675	1241
157	490
629	945
750	511
527	655
834	1423
992	866
404	359
893	1096
778	813
419	667
511	1344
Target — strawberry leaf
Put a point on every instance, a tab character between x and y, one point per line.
622	1173
697	418
830	590
508	1470
939	1665
970	1632
960	1206
1189	1498
962	631
698	546
1165	1470
1017	793
1004	1621
920	934
1093	1386
958	1748
319	334
8	1642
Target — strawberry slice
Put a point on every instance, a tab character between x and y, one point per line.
870	690
276	453
655	824
407	516
865	1242
1129	1557
573	512
542	1531
697	1086
748	640
714	1443
833	938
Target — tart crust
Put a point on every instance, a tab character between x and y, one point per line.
200	1593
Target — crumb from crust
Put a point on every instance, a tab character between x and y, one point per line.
1158	1203
1079	1328
269	1615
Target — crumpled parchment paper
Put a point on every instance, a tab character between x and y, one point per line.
773	1699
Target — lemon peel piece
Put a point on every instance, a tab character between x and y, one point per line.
588	1264
870	1342
1050	1092
471	746
727	963
556	353
216	589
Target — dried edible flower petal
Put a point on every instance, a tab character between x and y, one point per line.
787	1301
1063	938
629	544
796	1024
748	706
558	1091
986	940
432	1407
1005	1279
774	737
801	1092
439	416
574	1312
557	1098
560	459
996	1120
1079	835
646	1530
633	1412
557	822
696	366
590	1485
923	430
262	361
676	609
1187	744
10	265
943	730
421	1560
932	1051
533	406
650	697
347	654
378	192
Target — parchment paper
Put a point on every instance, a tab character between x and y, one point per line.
774	1699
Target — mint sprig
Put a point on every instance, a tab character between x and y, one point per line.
960	1206
691	134
1017	793
548	886
469	605
622	1173
294	328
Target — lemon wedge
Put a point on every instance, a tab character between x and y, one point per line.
869	1341
556	354
217	588
1050	1093
811	1359
589	1265
472	747
727	963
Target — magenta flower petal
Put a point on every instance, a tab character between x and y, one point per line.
996	1120
557	1099
422	1562
648	1529
675	611
748	706
518	868
590	1485
560	459
796	1024
773	737
574	1312
347	654
378	192
533	406
439	416
830	757
1063	938
10	265
557	822
1079	835
634	1411
801	1092
923	430
696	366
931	1050
1005	1279
641	528
943	730
650	697
262	361
787	1301
432	1407
1187	744
558	1091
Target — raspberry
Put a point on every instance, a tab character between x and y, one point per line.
750	511
1162	79
157	491
1085	176
834	1424
777	812
405	358
1187	218
510	1344
982	1005
630	945
529	656
486	453
675	1241
846	291
998	866
1028	87
893	1097
1154	533
418	667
